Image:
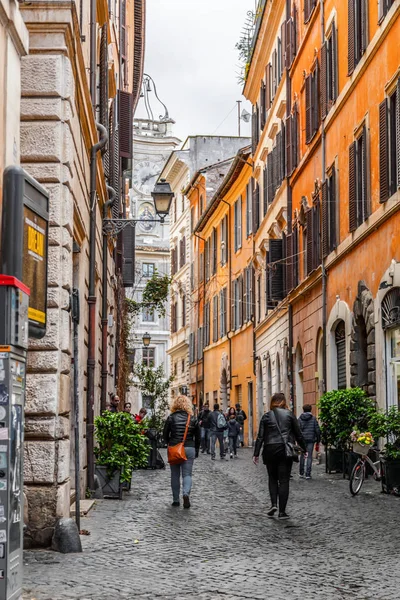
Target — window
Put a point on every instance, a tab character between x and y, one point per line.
148	269
199	343
215	318
175	369
256	206
148	357
258	299
237	305
206	322
292	141
207	259
191	219
174	260
214	251
174	317
248	294
274	288
183	310
383	8
329	72
148	315
249	208
201	206
357	32
192	348
183	366
313	237
222	309
182	252
224	240
340	341
238	223
389	145
291	38
358	196
329	214
312	103
309	6
201	267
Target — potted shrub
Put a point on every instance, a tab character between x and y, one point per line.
386	425
121	447
340	412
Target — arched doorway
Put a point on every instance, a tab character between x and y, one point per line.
299	394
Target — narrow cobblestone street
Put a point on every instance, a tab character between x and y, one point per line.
334	546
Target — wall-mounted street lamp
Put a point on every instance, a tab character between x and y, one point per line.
162	196
146	339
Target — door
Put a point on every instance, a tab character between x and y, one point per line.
251	412
393	349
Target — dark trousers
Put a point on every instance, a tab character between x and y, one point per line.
279	468
205	439
233	439
217	435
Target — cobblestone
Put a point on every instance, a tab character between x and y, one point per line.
334	547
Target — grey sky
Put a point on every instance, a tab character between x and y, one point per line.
191	54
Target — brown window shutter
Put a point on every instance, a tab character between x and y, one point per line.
398	133
268	98
125	100
128	256
352	188
364	176
288	39
295	137
276	270
332	211
288	162
316	99
334	61
294	33
325	220
265	189
351	47
103	84
364	26
307	10
323	83
383	152
283	45
310	241
274	72
309	124
262	106
289	262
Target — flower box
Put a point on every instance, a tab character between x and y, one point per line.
390	470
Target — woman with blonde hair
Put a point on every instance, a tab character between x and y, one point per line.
278	430
179	422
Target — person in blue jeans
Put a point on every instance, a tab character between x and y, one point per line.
312	435
174	432
217	424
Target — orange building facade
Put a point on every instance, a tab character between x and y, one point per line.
325	75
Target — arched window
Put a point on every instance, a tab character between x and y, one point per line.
340	340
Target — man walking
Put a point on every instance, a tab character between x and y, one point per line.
311	434
241	418
205	429
217	423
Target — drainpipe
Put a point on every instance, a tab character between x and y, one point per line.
324	274
104	318
91	362
198	318
229	299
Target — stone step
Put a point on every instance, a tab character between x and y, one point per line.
86	505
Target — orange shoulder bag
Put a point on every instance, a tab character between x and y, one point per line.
177	454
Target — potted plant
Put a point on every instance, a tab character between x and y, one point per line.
121	447
386	425
341	412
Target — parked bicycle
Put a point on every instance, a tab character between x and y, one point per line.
359	471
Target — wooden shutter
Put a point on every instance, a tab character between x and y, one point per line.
276	270
351	46
332	211
265	189
364	26
279	158
289	42
125	100
289	262
274	72
128	256
324	84
289	152
262	106
334	63
294	32
113	152
398	133
307	10
315	99
309	108
268	96
283	45
295	137
317	233
352	188
310	244
325	220
103	84
364	176
253	131
383	152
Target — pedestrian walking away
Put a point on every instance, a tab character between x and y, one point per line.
312	435
180	422
233	433
205	429
218	425
278	428
241	418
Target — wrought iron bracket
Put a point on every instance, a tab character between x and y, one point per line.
112	227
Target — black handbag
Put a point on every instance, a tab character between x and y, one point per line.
291	450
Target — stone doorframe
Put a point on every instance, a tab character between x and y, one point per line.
225	380
363	308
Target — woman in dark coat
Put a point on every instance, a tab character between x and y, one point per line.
278	426
174	431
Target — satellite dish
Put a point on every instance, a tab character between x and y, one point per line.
245	116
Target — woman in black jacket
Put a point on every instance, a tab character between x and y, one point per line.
278	426
174	431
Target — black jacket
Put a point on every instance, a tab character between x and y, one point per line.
203	418
268	434
310	428
212	421
233	428
174	430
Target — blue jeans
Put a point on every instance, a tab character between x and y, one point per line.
310	450
205	439
185	469
217	435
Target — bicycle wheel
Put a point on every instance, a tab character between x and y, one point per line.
357	477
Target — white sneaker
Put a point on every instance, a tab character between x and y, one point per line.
302	476
231	455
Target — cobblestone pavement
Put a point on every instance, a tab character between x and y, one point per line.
224	548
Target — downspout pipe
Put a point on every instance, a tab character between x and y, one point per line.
104	317
229	299
93	53
91	362
324	273
198	322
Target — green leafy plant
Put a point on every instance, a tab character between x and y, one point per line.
153	383
386	425
121	444
341	412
